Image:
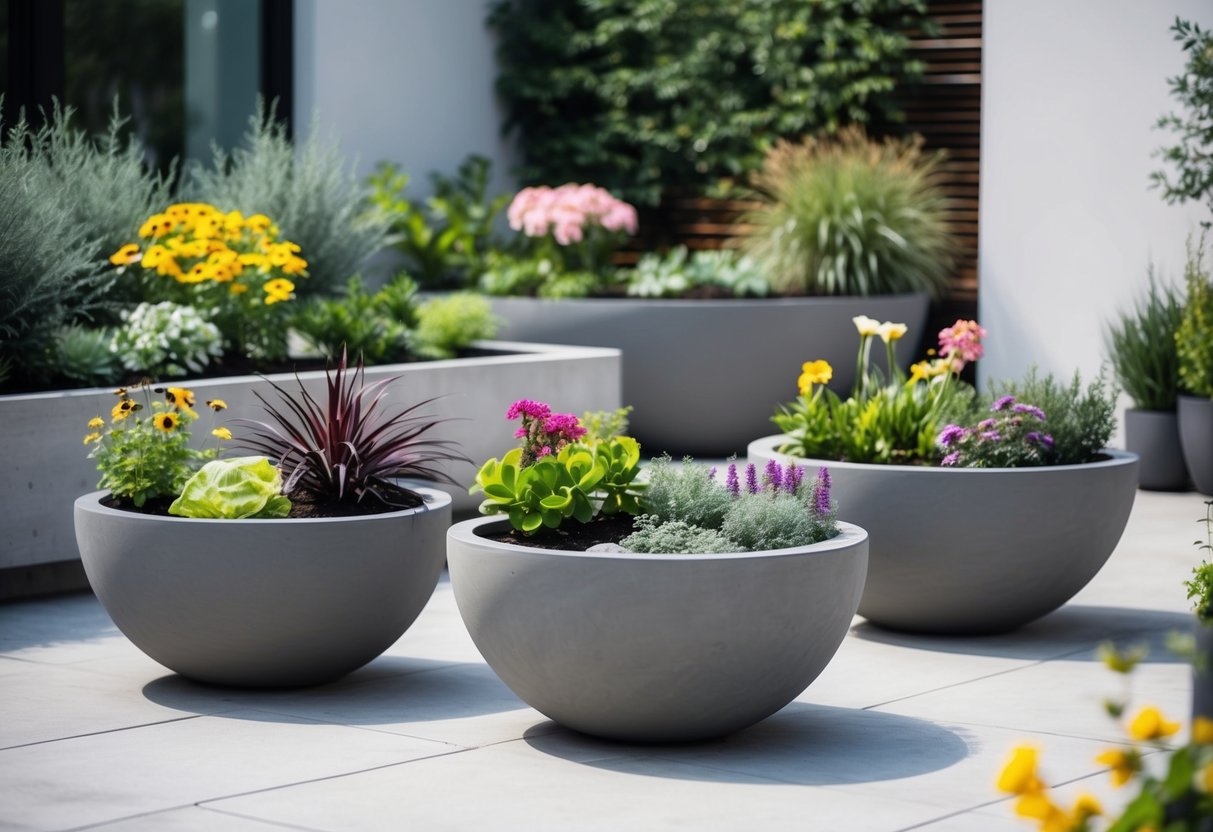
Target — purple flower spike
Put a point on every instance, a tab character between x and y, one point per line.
731	482
791	479
712	473
751	478
1003	403
773	475
822	492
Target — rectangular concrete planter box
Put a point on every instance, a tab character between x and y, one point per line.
46	467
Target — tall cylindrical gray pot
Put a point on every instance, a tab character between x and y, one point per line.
1154	436
1196	439
263	603
1202	671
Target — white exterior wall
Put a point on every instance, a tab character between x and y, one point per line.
406	80
1071	91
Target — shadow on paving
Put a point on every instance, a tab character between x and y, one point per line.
390	690
804	744
46	622
1072	631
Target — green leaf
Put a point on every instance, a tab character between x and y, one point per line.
243	487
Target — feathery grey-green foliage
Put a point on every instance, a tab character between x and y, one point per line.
684	492
1081	421
83	355
674	537
311	192
757	522
1141	345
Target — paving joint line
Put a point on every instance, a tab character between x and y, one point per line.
107	731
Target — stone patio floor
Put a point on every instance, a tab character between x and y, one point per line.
900	732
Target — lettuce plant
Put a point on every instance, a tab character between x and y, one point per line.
347	449
233	489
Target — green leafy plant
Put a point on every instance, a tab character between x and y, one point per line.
893	421
83	355
311	191
348	450
847	216
233	489
448	324
1194	337
444	242
375	326
1192	157
536	274
1141	344
641	97
601	425
705	273
1200	588
143	452
1079	421
166	339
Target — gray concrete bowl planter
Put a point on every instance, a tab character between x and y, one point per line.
48	468
655	648
1202	671
734	359
263	603
1196	439
971	551
1154	436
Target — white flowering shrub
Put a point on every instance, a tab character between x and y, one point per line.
166	340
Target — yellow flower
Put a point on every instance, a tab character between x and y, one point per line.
1150	724
919	372
222	433
157	225
126	255
124	408
1123	765
1084	807
166	421
237	288
891	332
181	399
1202	730
1019	774
1038	806
96	422
278	289
295	265
92	437
814	372
216	404
866	326
258	223
1204	779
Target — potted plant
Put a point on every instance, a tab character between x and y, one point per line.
844	225
1142	347
1200	593
678	609
984	513
1194	344
254	574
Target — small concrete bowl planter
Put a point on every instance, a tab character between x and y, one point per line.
1154	436
655	648
972	551
1196	439
1202	670
735	359
263	603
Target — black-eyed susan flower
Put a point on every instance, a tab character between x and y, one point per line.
216	404
126	255
96	422
1124	764
221	433
278	289
90	438
1150	724
166	422
123	409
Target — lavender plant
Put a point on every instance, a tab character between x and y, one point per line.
1014	437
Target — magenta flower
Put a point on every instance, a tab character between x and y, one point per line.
1004	403
526	407
961	343
950	435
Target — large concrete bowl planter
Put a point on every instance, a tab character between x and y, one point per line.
977	550
1202	671
47	468
705	375
1154	436
1196	439
655	648
263	603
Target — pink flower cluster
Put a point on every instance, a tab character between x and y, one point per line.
543	432
568	212
961	343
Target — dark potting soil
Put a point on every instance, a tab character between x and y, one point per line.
302	505
573	537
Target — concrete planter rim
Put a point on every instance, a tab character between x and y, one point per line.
1117	458
785	300
465	531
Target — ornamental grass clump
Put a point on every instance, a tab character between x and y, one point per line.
348	449
1141	345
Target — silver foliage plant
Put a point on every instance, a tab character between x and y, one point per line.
310	191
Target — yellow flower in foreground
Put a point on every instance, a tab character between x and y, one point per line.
919	372
814	372
216	404
1204	779
166	421
96	422
92	437
1038	806
278	289
866	326
129	253
181	399
1084	807
222	433
889	331
1150	724
1123	765
123	409
1202	728
1019	774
